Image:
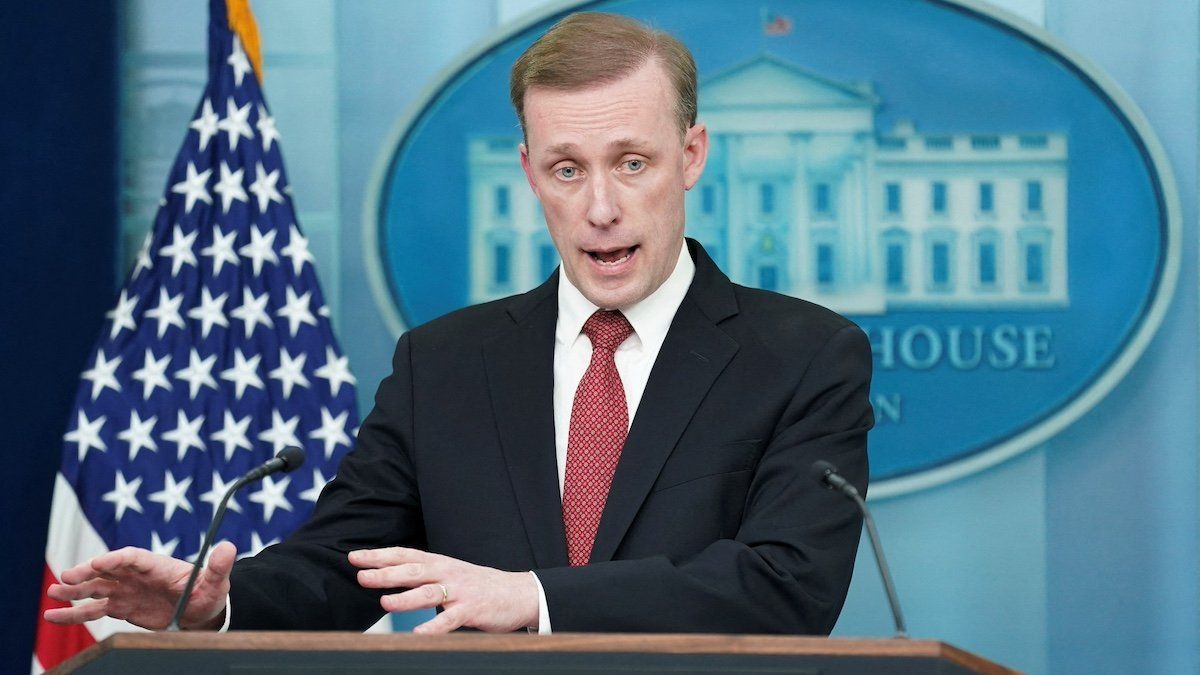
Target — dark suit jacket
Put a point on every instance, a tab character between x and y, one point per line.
713	522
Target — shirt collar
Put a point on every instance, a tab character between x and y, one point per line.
650	317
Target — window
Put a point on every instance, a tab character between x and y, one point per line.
766	195
938	197
501	200
891	198
547	259
825	270
939	143
895	265
501	264
708	199
822	199
987	264
985	142
941	264
939	260
768	277
1035	265
1033	196
1035	260
987	198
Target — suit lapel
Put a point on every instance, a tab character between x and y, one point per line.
693	355
520	375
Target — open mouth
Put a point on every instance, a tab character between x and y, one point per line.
613	257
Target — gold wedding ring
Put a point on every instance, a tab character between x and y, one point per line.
445	594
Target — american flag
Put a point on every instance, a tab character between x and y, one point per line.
775	25
218	353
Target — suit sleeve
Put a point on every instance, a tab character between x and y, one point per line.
307	583
788	568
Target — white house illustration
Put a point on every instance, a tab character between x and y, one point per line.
804	195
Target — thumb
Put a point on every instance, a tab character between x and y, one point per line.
220	561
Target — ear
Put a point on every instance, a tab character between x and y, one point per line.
695	154
528	170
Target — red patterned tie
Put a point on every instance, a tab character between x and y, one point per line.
599	424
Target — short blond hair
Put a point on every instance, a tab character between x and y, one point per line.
591	48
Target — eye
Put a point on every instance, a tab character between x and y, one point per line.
635	165
567	172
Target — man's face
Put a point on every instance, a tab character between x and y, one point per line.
610	170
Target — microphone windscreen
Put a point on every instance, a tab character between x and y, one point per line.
820	470
292	457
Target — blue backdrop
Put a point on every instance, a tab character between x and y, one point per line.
1079	556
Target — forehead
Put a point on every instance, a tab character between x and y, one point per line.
639	106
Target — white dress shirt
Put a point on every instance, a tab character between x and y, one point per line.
650	318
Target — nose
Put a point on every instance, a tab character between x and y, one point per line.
603	210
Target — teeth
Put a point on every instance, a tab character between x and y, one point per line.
597	257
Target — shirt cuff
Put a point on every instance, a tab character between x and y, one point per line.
228	613
543	609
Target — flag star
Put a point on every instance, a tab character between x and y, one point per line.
233	434
260	248
324	311
198	373
230	187
219	487
221	249
253	311
153	373
103	374
281	434
173	495
87	434
318	484
167	311
143	257
124	495
138	434
332	431
237	59
205	124
264	188
296	310
271	496
266	128
162	548
257	544
180	250
244	373
336	370
235	123
297	250
211	311
193	187
186	433
290	373
122	314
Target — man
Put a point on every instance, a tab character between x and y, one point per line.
624	448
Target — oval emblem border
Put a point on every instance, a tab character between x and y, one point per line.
1036	431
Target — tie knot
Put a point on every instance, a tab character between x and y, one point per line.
607	329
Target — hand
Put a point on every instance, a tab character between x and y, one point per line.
141	587
479	597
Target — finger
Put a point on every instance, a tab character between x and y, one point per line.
220	562
95	588
447	621
128	560
385	557
79	573
408	575
78	614
425	597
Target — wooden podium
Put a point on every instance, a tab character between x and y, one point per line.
294	652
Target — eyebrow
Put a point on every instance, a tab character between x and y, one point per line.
620	143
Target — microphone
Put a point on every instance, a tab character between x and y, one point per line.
827	474
289	459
